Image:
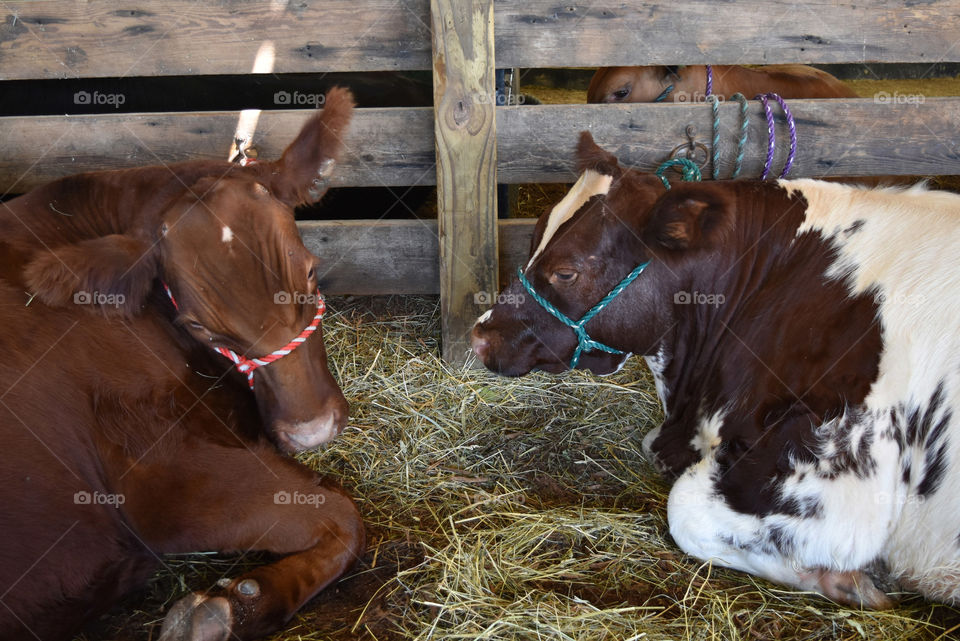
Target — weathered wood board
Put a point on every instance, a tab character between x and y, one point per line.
546	33
886	135
464	102
383	146
68	39
534	143
368	257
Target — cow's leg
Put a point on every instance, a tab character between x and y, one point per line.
670	447
234	499
704	526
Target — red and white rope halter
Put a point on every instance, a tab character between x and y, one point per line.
246	365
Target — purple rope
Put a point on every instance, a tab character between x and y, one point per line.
792	127
771	136
709	80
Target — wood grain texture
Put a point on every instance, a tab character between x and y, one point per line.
382	146
859	137
547	33
68	39
465	134
100	38
370	257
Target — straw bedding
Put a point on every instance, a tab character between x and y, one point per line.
510	509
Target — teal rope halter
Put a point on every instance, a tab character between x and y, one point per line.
689	168
663	94
584	342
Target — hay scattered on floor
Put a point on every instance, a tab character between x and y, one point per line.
512	509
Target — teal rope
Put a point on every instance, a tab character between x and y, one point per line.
584	342
663	94
742	141
715	143
691	173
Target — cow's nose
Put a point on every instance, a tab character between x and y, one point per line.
480	345
306	435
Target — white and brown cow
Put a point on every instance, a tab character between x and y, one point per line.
805	340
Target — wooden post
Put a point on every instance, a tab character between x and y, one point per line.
464	121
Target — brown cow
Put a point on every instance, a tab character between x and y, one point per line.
125	436
688	84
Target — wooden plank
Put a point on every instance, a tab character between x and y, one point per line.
514	250
465	129
69	39
369	257
375	257
545	33
382	147
889	136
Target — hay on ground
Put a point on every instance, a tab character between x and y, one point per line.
511	509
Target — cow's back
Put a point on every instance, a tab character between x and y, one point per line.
900	247
63	526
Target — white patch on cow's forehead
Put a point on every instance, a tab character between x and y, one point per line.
590	184
226	234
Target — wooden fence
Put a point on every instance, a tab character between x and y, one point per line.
465	144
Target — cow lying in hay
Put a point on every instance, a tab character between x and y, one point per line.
125	434
688	84
803	337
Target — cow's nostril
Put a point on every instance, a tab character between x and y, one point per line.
339	420
481	346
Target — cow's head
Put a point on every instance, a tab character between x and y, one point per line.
580	250
229	250
633	84
611	222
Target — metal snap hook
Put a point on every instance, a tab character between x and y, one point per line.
691	148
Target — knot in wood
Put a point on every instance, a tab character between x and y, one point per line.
461	112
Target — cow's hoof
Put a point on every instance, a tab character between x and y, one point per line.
197	618
670	452
855	589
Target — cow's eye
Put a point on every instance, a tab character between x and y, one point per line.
621	94
564	276
194	325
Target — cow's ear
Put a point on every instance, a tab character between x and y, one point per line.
689	219
302	174
591	156
111	274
